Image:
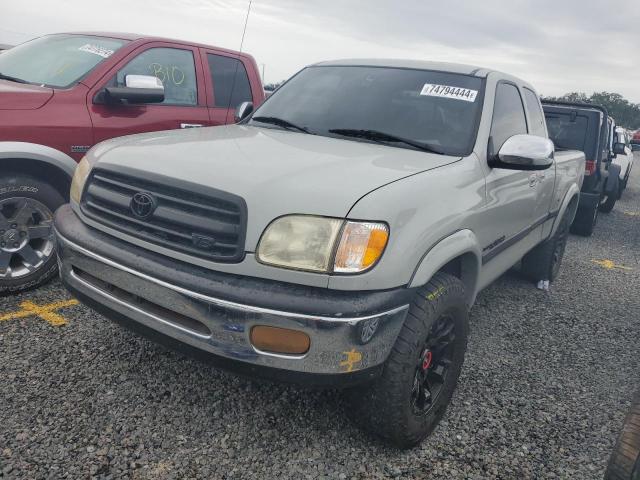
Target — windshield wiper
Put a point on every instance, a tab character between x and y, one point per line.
12	79
281	122
382	137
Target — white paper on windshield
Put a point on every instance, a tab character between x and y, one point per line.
446	91
96	50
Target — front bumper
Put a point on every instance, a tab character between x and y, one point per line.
210	311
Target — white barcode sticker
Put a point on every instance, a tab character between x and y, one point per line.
446	91
96	50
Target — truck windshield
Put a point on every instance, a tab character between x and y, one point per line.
57	61
406	108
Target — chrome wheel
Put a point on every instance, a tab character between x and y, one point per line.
26	236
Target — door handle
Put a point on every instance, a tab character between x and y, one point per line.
191	125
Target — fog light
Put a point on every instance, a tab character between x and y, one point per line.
280	340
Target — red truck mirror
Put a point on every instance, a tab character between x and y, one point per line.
138	89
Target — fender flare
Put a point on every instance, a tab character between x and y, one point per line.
461	243
611	186
39	153
573	192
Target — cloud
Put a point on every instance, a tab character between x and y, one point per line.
559	46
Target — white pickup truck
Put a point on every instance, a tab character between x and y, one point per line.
338	235
623	157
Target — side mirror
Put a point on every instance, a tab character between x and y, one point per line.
525	152
243	111
138	89
619	148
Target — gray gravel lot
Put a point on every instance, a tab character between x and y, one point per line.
545	386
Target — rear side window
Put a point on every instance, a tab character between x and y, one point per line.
173	66
231	84
536	118
508	116
568	132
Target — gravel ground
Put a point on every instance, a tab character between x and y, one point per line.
545	386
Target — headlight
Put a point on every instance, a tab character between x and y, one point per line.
321	244
300	242
79	178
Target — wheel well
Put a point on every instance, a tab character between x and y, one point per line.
573	204
464	267
41	170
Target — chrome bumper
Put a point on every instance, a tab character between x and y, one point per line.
338	345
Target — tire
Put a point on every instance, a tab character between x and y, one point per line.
544	261
624	463
609	201
396	406
622	186
585	221
27	256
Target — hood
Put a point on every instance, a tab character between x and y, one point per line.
20	96
277	172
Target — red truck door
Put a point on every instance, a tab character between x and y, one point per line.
232	79
180	69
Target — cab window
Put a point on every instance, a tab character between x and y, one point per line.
508	116
536	117
173	66
231	84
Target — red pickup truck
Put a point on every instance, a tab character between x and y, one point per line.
61	94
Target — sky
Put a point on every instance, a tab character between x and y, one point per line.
559	46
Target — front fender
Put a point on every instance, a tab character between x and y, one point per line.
37	152
462	244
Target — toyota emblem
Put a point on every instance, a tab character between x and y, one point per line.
143	204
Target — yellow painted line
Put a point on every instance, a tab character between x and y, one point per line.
610	265
45	312
632	214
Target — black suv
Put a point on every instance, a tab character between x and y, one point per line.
586	127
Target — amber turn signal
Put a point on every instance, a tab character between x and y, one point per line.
280	340
361	246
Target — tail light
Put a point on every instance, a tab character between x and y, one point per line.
590	167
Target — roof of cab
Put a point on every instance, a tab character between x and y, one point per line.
132	37
413	64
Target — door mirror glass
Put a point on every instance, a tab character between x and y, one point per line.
525	152
142	81
243	111
619	148
137	89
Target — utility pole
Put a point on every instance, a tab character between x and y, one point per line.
262	72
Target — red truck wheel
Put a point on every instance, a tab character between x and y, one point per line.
27	253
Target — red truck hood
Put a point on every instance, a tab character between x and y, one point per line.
18	96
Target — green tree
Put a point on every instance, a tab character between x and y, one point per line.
625	113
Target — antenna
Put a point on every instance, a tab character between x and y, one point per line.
235	72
